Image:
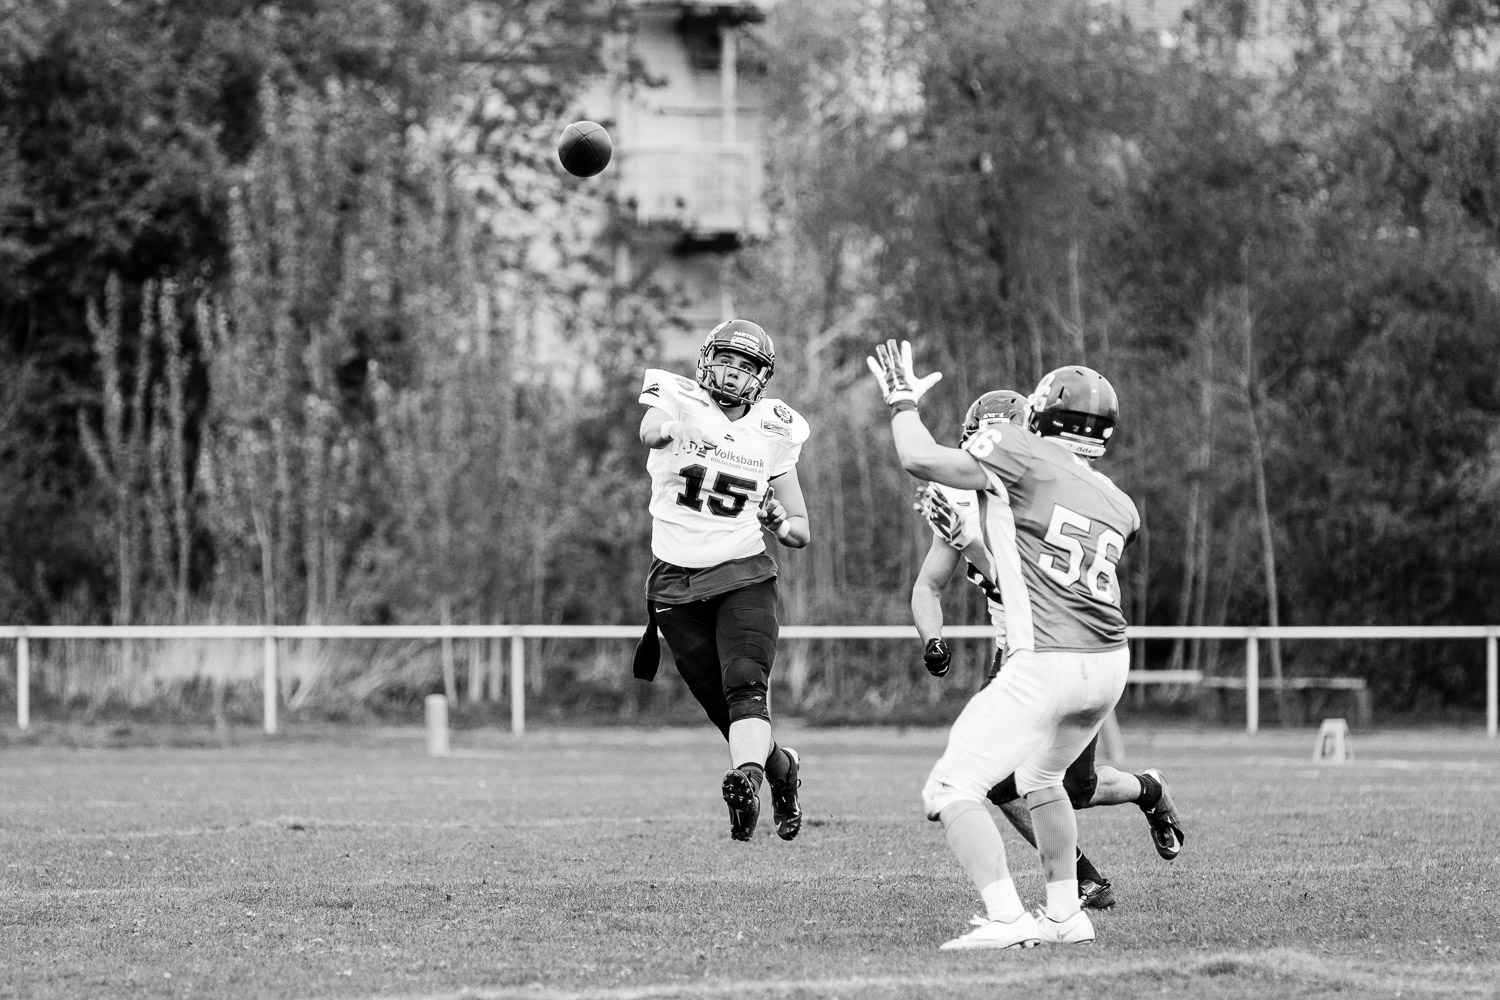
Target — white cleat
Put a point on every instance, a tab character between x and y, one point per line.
1077	929
1019	933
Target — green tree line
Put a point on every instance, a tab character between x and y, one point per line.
278	283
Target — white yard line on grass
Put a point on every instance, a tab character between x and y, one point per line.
1427	980
1456	766
313	824
203	890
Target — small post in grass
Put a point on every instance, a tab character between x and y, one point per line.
23	683
517	685
1491	684
436	706
270	682
1333	745
1252	683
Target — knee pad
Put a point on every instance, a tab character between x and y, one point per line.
1080	788
1005	792
745	690
938	795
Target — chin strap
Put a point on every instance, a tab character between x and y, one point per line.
1082	447
725	397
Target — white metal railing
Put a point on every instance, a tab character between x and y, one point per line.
269	635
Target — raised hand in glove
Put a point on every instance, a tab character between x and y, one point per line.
945	519
892	368
937	658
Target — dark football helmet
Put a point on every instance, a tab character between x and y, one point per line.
1001	406
1077	406
742	337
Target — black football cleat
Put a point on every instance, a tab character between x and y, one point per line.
785	805
1095	895
1166	828
743	799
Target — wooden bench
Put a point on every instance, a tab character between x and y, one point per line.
1311	694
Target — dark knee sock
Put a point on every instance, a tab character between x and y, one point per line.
1087	872
1150	791
755	773
778	764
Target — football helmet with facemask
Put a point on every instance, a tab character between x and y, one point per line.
741	337
1078	407
1001	406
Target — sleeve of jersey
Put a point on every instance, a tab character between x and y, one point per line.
660	389
800	430
1135	525
1005	453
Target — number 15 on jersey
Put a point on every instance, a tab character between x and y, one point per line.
726	499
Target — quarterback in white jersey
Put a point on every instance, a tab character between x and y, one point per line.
723	467
703	500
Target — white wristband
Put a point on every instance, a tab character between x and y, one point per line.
784	529
671	429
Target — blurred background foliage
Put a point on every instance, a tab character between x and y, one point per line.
272	276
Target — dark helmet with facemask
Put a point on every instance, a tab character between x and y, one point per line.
1078	407
1000	406
742	337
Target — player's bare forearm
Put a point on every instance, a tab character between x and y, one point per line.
927	611
785	511
927	592
924	458
798	532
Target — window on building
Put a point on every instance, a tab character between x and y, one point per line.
700	36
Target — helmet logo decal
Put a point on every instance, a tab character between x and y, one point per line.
1043	388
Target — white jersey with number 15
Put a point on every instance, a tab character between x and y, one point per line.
703	505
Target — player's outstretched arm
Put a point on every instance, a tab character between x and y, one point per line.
920	454
660	430
785	511
926	459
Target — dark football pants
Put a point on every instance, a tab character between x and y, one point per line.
724	648
1079	780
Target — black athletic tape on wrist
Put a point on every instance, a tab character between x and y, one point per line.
902	405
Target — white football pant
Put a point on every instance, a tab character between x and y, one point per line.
1032	721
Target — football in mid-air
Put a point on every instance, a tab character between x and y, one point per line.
584	148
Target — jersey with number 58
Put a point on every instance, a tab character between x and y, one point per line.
1071	526
703	505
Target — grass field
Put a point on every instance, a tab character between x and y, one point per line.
597	863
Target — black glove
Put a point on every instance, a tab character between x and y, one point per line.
937	658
